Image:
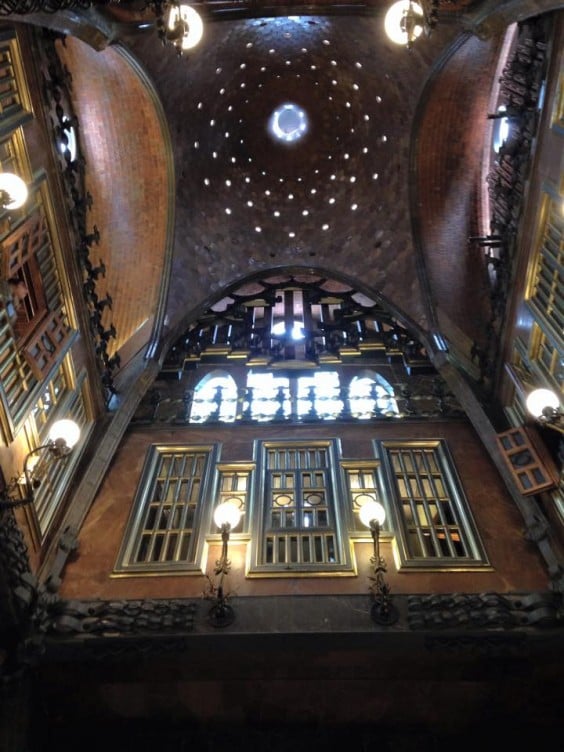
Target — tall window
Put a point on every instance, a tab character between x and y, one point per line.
14	96
547	295
34	327
33	307
56	400
296	520
167	515
434	523
547	355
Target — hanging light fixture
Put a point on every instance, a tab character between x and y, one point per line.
13	191
179	25
406	20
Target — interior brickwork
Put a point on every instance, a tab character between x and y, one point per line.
450	143
123	140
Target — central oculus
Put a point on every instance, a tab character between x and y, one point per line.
288	123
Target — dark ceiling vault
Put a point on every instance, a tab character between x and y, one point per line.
383	189
344	198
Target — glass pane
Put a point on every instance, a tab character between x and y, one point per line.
157	547
143	549
185	547
293	548
414	544
330	548
195	491
151	517
318	548
171	548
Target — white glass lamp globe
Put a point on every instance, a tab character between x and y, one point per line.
538	399
227	513
393	22
64	433
194	24
16	189
370	511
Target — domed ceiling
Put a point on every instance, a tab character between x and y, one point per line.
336	198
339	192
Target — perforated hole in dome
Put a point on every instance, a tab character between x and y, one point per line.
288	123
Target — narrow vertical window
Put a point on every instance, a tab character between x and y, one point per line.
234	484
363	487
435	526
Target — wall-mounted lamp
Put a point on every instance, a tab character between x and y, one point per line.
226	516
13	191
544	406
182	26
63	436
372	514
406	20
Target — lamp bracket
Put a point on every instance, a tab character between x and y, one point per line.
10	494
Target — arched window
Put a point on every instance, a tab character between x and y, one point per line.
268	397
319	395
215	398
273	397
370	395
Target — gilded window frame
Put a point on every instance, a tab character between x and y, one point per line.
406	562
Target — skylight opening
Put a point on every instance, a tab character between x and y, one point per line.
296	330
288	123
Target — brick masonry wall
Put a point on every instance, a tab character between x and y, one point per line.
126	174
